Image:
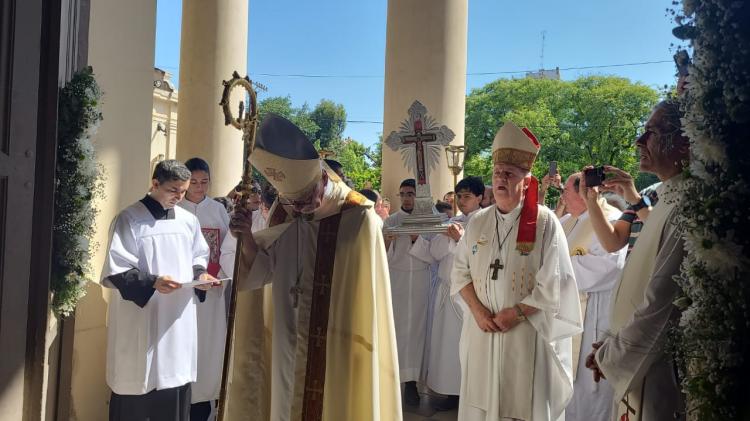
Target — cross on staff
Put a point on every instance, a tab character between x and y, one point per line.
245	121
418	139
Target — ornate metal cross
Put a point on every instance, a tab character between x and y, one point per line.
418	139
415	134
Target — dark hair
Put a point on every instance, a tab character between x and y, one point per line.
197	164
409	182
577	183
370	194
333	164
473	184
442	207
170	170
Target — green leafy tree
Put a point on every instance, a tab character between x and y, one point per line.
590	121
361	164
282	105
330	118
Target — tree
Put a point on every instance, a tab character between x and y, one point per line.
282	105
331	121
590	121
361	164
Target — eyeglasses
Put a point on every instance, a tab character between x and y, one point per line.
253	189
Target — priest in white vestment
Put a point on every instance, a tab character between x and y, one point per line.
152	349
597	272
633	357
410	288
321	344
513	269
443	368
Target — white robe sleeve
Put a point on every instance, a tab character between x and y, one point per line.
200	247
226	261
122	255
555	293
461	273
597	270
625	357
421	250
441	246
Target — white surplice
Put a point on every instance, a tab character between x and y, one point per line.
410	289
154	347
443	367
212	312
526	372
597	273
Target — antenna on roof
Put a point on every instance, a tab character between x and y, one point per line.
541	56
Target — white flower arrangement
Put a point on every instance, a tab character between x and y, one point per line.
710	344
78	179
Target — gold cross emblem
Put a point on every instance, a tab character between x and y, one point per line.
275	174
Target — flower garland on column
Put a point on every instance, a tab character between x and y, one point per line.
78	183
713	336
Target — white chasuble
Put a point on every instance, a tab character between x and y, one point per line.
597	272
410	288
154	347
272	336
633	357
526	372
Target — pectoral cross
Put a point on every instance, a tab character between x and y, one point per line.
418	139
296	291
495	267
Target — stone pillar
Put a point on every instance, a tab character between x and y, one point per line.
121	50
213	45
425	60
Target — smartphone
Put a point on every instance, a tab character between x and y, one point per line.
552	168
594	176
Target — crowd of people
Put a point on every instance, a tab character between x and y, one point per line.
516	312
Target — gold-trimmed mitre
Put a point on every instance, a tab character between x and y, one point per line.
515	146
286	157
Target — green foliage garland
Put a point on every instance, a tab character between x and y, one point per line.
78	182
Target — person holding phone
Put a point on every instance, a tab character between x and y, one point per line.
633	356
551	179
625	230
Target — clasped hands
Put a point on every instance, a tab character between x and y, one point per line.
591	363
503	321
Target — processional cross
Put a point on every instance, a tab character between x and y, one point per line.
420	140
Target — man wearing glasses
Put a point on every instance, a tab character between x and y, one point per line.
410	286
331	340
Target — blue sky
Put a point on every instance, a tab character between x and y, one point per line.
347	38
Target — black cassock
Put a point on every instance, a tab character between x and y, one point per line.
157	405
